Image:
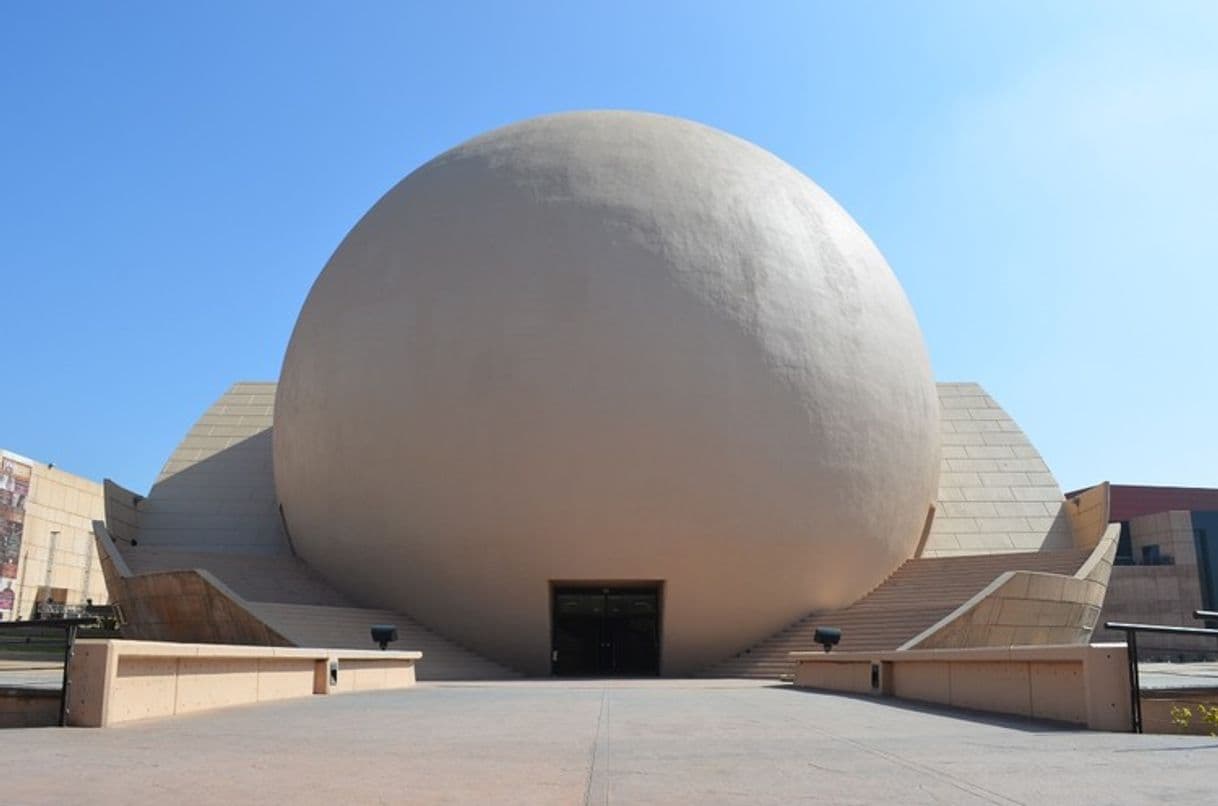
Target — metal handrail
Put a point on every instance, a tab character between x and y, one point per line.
1131	651
1205	614
83	621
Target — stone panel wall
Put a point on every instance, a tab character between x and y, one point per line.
217	491
1087	512
995	492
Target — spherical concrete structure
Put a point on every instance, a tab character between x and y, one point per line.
606	348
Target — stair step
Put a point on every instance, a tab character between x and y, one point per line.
297	603
913	598
347	627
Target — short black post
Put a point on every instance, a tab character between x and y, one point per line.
70	635
1135	685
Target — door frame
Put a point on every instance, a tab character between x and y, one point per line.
621	584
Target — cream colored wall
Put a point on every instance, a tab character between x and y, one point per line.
121	511
57	548
995	492
1087	512
217	493
121	681
1085	685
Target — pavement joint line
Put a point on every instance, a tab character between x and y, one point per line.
963	785
600	750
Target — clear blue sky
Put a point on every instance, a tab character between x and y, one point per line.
1040	176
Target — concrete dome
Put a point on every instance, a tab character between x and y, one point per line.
606	347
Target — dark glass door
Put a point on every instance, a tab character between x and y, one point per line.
605	632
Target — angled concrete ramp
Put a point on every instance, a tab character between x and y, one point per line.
916	596
256	577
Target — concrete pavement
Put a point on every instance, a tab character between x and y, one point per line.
535	742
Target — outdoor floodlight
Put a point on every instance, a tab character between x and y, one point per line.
383	634
827	637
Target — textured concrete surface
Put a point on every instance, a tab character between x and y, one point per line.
606	347
568	743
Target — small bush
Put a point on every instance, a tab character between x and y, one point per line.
1182	716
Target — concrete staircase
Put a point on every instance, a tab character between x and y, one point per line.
254	577
913	598
292	599
347	628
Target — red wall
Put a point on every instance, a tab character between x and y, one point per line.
1130	501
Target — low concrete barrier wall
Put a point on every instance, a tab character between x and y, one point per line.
1157	707
1084	685
28	707
115	681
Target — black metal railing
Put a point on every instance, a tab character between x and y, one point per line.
1131	643
43	644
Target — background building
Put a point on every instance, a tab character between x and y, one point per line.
47	550
1166	563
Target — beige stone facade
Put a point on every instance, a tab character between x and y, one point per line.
49	547
996	494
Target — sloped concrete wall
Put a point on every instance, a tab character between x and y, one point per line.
1027	608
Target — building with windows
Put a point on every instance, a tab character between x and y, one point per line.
48	557
1166	563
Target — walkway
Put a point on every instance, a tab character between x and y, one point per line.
534	742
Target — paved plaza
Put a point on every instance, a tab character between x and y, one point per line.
1159	676
624	742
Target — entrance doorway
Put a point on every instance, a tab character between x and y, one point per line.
605	631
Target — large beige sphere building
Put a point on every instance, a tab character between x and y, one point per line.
606	368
